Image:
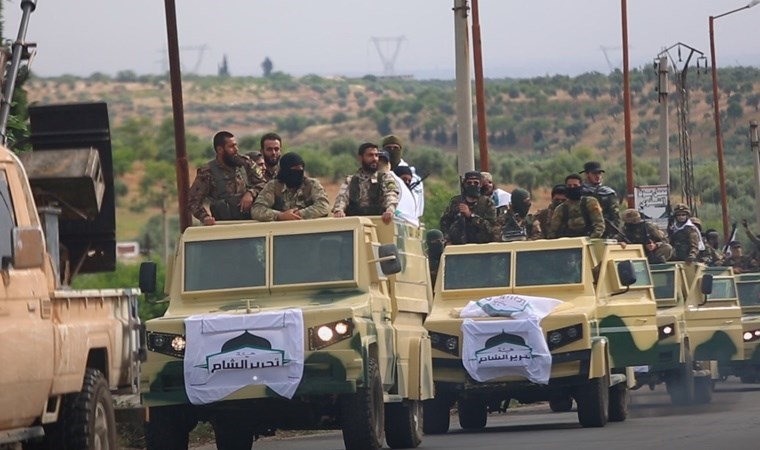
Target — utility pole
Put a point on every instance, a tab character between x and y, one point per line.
663	89
480	95
754	142
465	142
627	109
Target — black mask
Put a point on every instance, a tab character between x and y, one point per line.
232	160
291	177
522	208
574	193
556	202
435	249
472	191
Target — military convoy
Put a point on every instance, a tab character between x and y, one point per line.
747	369
313	324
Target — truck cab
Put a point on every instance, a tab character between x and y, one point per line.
747	369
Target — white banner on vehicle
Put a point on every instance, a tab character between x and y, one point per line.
497	348
511	305
227	352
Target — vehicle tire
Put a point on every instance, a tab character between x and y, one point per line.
703	389
88	417
363	415
436	414
473	413
169	427
593	402
231	432
620	397
680	384
561	404
403	424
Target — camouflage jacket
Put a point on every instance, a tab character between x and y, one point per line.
685	242
577	218
511	227
742	264
608	200
382	183
478	228
237	181
270	173
641	233
544	218
711	256
310	200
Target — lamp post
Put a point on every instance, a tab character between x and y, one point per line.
627	109
716	113
754	142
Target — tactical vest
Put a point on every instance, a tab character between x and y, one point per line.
375	206
567	232
279	203
225	206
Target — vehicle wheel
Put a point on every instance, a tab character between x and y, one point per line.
403	424
88	416
169	427
593	402
680	385
231	432
561	404
473	413
703	388
363	413
436	414
620	397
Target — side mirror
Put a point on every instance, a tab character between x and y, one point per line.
626	274
148	277
28	247
706	286
388	258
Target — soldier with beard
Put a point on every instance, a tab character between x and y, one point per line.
606	196
229	182
711	255
271	147
292	196
516	223
544	216
367	192
470	217
579	215
638	231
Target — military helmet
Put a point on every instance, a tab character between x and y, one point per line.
682	207
631	216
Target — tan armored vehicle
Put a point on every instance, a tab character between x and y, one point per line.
314	324
748	369
600	319
699	326
63	351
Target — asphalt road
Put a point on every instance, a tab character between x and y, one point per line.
730	422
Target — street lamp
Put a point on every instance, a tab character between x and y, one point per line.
718	137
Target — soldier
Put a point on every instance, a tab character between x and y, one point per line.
500	197
229	182
544	216
579	215
684	236
739	261
406	208
755	239
606	195
291	196
517	224
367	192
435	243
271	148
711	255
469	218
258	160
392	144
637	231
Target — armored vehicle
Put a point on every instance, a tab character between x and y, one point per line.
538	320
314	324
698	323
748	369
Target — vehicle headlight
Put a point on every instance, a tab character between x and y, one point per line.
751	336
166	343
445	343
326	334
666	331
563	336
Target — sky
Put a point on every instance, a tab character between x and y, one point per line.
334	37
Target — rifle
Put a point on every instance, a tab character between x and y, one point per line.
617	230
418	182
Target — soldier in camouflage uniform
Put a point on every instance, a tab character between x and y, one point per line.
291	196
711	255
684	236
606	195
739	261
544	216
368	192
271	148
517	224
229	182
579	215
469	218
637	231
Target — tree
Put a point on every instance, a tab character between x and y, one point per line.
224	68
267	67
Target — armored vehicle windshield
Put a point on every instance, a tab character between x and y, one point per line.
749	292
479	270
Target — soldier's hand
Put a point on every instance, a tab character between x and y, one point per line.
246	201
339	213
288	215
387	217
465	209
209	220
744	223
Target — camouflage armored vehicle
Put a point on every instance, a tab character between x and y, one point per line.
698	323
748	369
314	324
599	319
